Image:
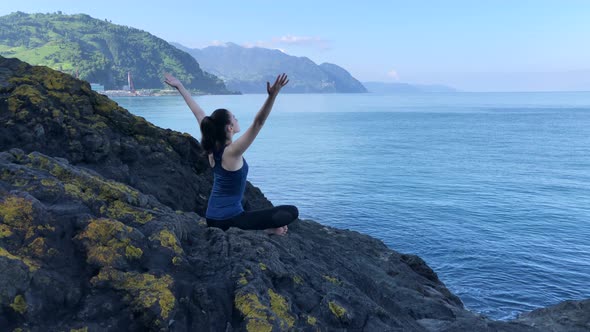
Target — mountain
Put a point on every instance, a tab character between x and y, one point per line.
383	87
101	229
248	69
99	51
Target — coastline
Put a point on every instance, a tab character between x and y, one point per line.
154	93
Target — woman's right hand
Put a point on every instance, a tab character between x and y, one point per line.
172	81
280	82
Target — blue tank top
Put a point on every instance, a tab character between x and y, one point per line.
228	189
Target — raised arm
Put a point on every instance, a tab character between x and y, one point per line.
237	148
192	104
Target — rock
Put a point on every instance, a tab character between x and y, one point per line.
39	132
77	245
567	316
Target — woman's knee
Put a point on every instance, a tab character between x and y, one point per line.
293	211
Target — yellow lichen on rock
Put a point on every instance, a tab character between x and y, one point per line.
21	94
107	241
19	305
280	307
105	106
60	172
84	329
103	230
243	280
167	239
53	82
337	310
118	210
5	231
132	252
45	228
16	214
333	280
297	279
39	161
73	189
253	311
22	115
110	190
14	104
37	247
176	260
311	320
258	326
143	289
20	182
49	182
16	211
32	265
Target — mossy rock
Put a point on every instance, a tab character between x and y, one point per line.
146	293
168	240
16	216
108	243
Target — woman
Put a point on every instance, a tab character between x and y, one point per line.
230	168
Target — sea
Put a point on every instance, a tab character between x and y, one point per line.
492	190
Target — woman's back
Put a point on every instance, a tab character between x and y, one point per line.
228	189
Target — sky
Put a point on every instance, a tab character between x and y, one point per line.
500	45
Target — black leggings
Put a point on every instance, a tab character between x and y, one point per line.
259	219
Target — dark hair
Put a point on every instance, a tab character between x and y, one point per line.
213	130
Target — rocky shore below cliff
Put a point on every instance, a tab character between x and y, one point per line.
101	230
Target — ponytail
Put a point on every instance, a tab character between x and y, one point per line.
213	130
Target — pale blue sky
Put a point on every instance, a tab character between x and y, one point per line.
471	45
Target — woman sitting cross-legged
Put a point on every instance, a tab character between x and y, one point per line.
230	169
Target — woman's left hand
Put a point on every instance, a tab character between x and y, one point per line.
280	82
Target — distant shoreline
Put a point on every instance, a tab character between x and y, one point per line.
152	93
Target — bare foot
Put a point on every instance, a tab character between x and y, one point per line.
277	231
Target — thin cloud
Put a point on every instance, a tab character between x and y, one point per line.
216	43
284	42
263	45
305	41
393	74
259	43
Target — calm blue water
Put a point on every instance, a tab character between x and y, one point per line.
491	189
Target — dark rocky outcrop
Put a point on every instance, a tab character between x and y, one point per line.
567	316
83	248
79	250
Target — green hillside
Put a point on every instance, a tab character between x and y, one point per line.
100	51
